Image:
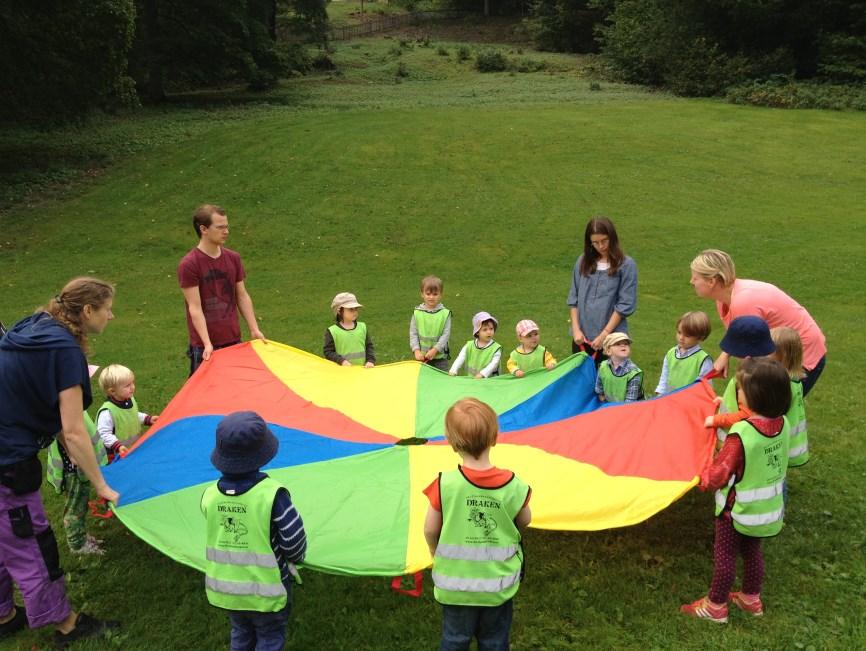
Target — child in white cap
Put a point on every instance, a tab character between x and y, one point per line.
347	342
619	379
480	354
529	355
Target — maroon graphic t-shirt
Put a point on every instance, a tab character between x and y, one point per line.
216	279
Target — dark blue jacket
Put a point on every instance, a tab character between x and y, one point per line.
39	358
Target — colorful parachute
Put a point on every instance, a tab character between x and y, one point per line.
359	488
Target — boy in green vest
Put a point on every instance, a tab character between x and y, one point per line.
618	379
529	355
254	535
481	354
748	475
67	478
473	529
687	361
347	342
430	326
118	420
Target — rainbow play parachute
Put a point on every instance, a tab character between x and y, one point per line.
356	483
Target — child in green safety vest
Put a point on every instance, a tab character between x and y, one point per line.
529	355
67	478
748	475
430	326
481	354
473	528
618	379
687	361
254	535
348	342
789	353
118	420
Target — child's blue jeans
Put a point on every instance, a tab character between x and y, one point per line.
253	631
489	624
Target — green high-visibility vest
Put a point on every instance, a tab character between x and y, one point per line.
126	424
54	460
351	344
529	361
728	406
684	371
479	558
430	326
615	387
478	359
241	571
798	452
758	508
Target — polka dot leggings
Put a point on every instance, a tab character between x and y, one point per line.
729	542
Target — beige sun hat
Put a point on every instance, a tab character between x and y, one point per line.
344	299
612	339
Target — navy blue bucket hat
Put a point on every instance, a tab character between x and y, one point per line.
748	336
244	443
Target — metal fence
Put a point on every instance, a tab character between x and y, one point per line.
385	23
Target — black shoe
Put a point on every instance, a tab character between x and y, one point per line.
15	624
85	626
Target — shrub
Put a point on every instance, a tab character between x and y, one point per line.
442	51
789	93
594	85
464	53
563	25
491	61
527	64
402	70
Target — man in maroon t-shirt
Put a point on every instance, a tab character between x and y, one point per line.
212	281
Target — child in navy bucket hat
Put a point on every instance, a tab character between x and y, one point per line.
747	336
254	535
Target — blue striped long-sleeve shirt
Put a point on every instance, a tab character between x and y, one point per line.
288	538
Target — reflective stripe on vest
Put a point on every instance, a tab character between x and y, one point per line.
528	361
351	344
456	584
54	458
430	326
477	359
616	386
758	507
242	572
478	560
682	371
798	454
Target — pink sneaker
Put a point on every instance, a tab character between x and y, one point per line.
747	603
703	608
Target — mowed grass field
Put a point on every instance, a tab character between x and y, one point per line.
353	182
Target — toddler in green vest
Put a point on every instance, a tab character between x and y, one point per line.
254	535
473	529
348	342
747	475
118	420
430	326
618	379
529	355
67	478
789	353
481	354
687	361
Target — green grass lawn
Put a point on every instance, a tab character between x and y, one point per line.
348	12
355	182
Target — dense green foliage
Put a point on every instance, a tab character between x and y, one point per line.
563	25
58	59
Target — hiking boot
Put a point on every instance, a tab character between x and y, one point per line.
15	624
91	546
703	608
747	603
85	626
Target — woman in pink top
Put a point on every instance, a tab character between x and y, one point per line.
714	277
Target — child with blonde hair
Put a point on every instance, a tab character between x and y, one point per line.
430	326
118	420
687	361
474	528
619	379
529	355
789	353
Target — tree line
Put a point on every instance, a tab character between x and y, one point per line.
60	59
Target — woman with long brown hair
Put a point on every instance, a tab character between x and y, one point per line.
44	390
603	288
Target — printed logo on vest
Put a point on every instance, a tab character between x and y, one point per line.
481	513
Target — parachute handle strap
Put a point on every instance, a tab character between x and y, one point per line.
417	581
